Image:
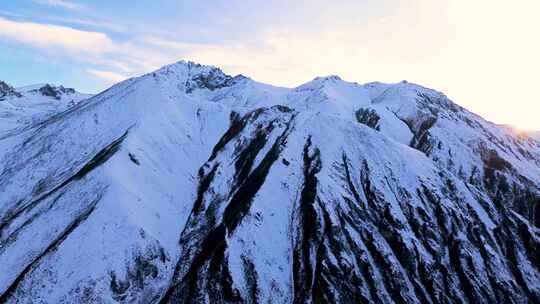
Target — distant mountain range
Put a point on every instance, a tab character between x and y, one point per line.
187	185
23	107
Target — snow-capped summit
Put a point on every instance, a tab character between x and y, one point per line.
329	78
319	82
187	185
193	76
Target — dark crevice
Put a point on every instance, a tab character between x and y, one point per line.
371	196
52	247
309	221
476	238
204	184
455	261
251	277
329	275
509	244
210	255
350	184
366	268
237	125
422	137
134	159
213	241
13	236
389	280
319	290
242	199
220	285
246	158
531	243
100	158
407	260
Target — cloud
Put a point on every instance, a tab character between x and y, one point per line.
96	48
174	45
111	77
10	14
54	36
438	44
60	3
92	23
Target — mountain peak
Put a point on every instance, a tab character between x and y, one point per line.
183	65
328	78
7	90
319	82
324	80
55	92
194	76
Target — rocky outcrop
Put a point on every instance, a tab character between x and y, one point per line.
55	92
6	90
369	117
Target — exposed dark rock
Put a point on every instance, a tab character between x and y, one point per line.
6	90
368	117
204	267
143	269
309	230
134	159
55	92
422	138
214	79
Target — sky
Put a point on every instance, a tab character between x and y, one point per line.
483	54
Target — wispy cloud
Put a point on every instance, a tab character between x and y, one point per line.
96	48
10	14
109	76
90	23
60	3
54	36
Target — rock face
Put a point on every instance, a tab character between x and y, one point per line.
6	90
55	92
187	185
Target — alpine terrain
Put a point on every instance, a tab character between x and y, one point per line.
187	185
26	106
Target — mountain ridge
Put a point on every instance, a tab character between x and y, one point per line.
190	185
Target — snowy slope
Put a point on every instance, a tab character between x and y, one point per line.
20	107
188	185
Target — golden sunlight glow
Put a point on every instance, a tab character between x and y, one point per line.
483	54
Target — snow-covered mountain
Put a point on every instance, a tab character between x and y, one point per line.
187	185
26	106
